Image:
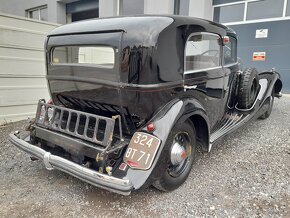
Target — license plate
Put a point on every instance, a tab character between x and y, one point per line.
141	151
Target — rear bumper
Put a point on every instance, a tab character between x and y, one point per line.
120	186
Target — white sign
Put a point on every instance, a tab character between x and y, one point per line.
262	33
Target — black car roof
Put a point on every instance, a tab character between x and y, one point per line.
142	23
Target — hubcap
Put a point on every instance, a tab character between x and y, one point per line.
180	154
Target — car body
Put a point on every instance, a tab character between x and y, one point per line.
120	86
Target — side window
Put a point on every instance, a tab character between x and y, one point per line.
230	51
202	51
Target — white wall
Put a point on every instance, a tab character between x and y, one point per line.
158	7
108	8
22	71
197	8
201	9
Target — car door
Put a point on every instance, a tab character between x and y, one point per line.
203	73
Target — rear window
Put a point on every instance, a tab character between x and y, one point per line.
99	56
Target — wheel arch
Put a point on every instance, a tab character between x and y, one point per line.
201	130
278	86
198	117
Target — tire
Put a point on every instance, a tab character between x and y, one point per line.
175	175
270	107
248	88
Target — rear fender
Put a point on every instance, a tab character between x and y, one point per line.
174	112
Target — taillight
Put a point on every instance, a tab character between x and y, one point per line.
150	127
50	101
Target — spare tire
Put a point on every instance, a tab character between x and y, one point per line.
248	88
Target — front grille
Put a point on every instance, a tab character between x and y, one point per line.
86	126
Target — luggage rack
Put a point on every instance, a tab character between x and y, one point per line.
96	129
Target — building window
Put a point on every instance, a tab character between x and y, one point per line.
226	11
38	13
265	9
202	51
230	13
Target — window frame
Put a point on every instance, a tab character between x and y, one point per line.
242	4
245	21
38	9
205	69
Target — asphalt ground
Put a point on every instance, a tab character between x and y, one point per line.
245	175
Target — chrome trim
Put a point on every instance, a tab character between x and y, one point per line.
231	64
120	186
200	70
189	87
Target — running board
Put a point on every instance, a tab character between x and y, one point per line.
230	121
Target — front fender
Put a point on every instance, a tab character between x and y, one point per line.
175	111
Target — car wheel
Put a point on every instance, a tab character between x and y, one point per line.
180	156
270	107
248	88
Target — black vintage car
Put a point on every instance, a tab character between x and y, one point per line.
133	97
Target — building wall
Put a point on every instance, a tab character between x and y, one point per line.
201	9
56	9
246	17
276	46
128	7
108	8
194	8
22	72
158	7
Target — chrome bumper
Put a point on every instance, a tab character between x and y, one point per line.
120	186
